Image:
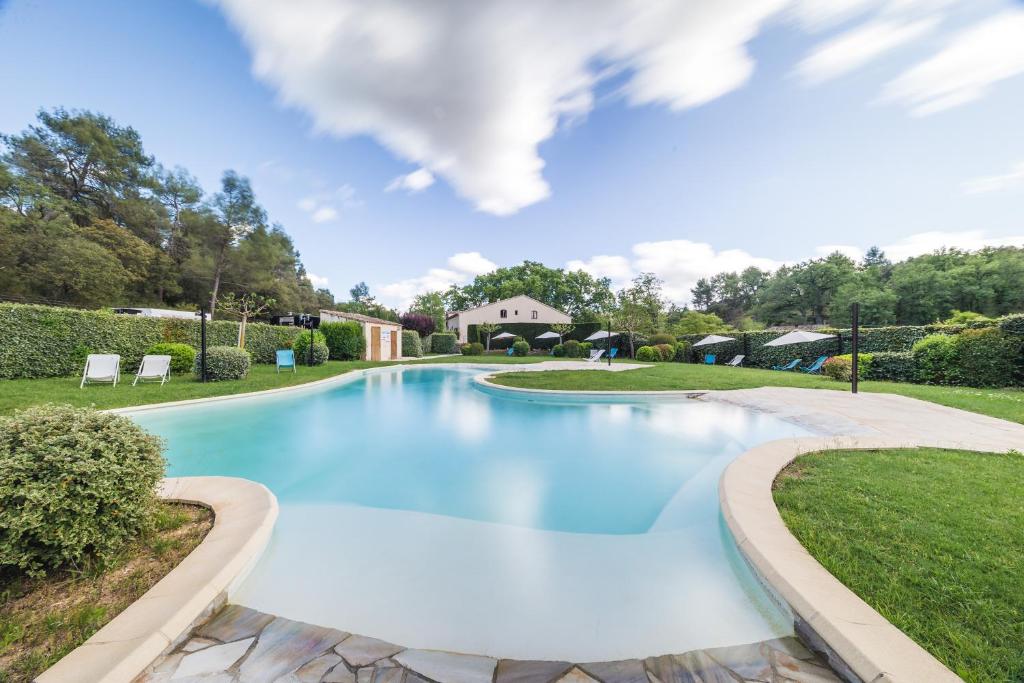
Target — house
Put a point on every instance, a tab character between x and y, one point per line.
516	309
383	337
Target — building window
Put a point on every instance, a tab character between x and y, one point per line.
503	314
533	315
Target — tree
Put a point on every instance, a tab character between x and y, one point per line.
238	214
245	307
488	329
421	323
695	322
432	304
562	329
360	294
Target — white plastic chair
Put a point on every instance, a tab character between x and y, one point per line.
154	368
595	354
101	367
736	361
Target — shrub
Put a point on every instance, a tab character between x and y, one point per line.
520	348
320	350
648	354
76	485
666	352
987	358
892	366
183	356
558	350
442	342
473	349
661	338
224	362
840	368
345	340
683	352
572	349
585	349
420	323
411	345
1012	324
935	357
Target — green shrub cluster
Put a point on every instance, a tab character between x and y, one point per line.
648	354
572	349
224	363
840	368
666	352
684	351
320	350
442	343
530	331
183	356
345	340
893	366
473	349
520	348
558	350
988	358
1012	324
411	346
46	341
661	338
76	485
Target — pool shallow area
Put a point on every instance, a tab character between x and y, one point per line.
419	509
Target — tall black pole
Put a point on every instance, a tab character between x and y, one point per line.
202	343
311	340
855	315
609	349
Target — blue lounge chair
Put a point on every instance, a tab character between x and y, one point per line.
709	359
510	351
815	366
788	366
285	359
614	352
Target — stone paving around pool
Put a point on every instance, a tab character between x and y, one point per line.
240	645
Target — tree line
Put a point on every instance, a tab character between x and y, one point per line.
88	218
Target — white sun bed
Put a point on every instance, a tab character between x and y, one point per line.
101	367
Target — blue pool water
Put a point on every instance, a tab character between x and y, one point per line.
418	507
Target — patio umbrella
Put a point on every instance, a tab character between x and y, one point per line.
601	334
503	335
799	337
549	335
713	339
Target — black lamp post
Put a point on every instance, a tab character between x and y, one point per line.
307	322
608	351
855	330
202	343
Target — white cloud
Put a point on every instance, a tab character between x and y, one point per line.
972	62
616	268
468	91
461	268
995	183
417	181
858	46
471	263
926	242
325	207
324	214
318	281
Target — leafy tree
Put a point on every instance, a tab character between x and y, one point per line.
246	307
562	329
360	294
238	214
421	323
488	329
695	322
432	304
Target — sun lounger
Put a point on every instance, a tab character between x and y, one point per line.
815	366
101	367
614	352
788	366
710	359
595	354
736	361
285	359
153	368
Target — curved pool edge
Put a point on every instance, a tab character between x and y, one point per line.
484	381
244	516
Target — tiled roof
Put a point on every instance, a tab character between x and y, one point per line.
359	317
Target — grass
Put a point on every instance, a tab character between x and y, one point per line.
932	539
1007	404
41	620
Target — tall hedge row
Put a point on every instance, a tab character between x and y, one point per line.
46	341
529	332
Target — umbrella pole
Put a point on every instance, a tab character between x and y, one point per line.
855	315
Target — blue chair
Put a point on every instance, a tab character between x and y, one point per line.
815	366
285	359
614	352
788	366
710	359
510	351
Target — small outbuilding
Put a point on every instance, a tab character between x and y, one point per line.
383	337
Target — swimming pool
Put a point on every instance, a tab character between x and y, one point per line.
418	508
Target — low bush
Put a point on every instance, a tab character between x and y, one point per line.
224	363
987	357
558	350
572	349
648	354
520	348
585	349
683	352
320	350
666	352
345	340
442	342
183	356
892	366
473	349
411	346
661	338
840	368
935	358
76	485
1012	324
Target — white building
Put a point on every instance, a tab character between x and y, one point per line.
383	337
517	309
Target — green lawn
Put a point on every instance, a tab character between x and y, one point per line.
932	539
1007	404
19	393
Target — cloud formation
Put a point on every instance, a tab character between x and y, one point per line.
858	46
414	182
325	207
318	281
995	183
459	269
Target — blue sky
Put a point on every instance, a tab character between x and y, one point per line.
615	136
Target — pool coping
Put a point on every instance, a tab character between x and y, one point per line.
244	516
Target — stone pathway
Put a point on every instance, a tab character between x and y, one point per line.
240	645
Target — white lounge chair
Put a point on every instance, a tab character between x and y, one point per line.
595	354
154	368
101	367
736	361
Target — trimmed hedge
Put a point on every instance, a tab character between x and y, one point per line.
648	354
442	343
987	357
224	363
183	356
345	340
935	358
529	332
76	485
301	347
46	341
893	366
411	345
